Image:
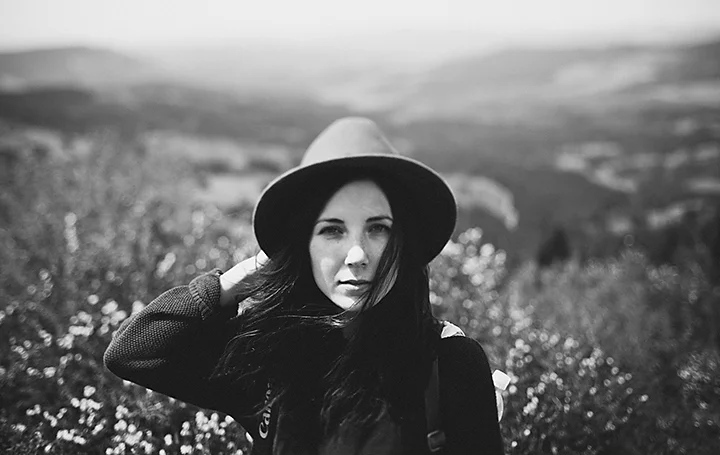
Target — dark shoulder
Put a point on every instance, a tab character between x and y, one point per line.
461	349
463	358
468	407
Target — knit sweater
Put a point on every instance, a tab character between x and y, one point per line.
173	345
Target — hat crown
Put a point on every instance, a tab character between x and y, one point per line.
350	147
348	137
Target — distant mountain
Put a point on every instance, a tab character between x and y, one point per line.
519	78
249	69
72	66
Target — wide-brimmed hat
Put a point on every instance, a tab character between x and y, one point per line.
355	145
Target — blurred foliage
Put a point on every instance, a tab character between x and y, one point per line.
610	356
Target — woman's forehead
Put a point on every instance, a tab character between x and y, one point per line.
361	197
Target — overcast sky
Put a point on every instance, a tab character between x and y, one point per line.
131	23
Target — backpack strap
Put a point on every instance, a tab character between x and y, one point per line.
435	434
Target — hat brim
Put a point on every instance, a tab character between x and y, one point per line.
430	195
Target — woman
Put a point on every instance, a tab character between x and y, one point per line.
334	349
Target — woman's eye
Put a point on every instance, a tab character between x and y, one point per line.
330	230
380	228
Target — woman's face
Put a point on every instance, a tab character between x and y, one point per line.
347	241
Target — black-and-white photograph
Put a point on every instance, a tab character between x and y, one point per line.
384	227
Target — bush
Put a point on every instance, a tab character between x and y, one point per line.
566	395
631	344
90	239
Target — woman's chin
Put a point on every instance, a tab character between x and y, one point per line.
348	304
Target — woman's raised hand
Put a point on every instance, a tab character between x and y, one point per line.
230	279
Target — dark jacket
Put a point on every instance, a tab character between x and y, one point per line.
173	345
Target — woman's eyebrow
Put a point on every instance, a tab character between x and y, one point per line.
380	218
329	220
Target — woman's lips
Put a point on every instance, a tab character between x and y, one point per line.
355	282
354	286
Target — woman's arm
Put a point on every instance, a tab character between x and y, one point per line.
173	345
467	399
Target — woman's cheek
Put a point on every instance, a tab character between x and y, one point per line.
379	248
329	268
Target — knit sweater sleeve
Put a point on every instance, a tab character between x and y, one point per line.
174	343
468	409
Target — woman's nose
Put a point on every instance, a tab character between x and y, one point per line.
356	256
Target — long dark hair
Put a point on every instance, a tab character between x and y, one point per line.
329	383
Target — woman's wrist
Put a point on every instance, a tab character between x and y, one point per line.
230	279
227	294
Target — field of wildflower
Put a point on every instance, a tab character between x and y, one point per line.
610	356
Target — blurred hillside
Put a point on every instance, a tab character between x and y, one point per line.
601	142
592	79
440	80
72	66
